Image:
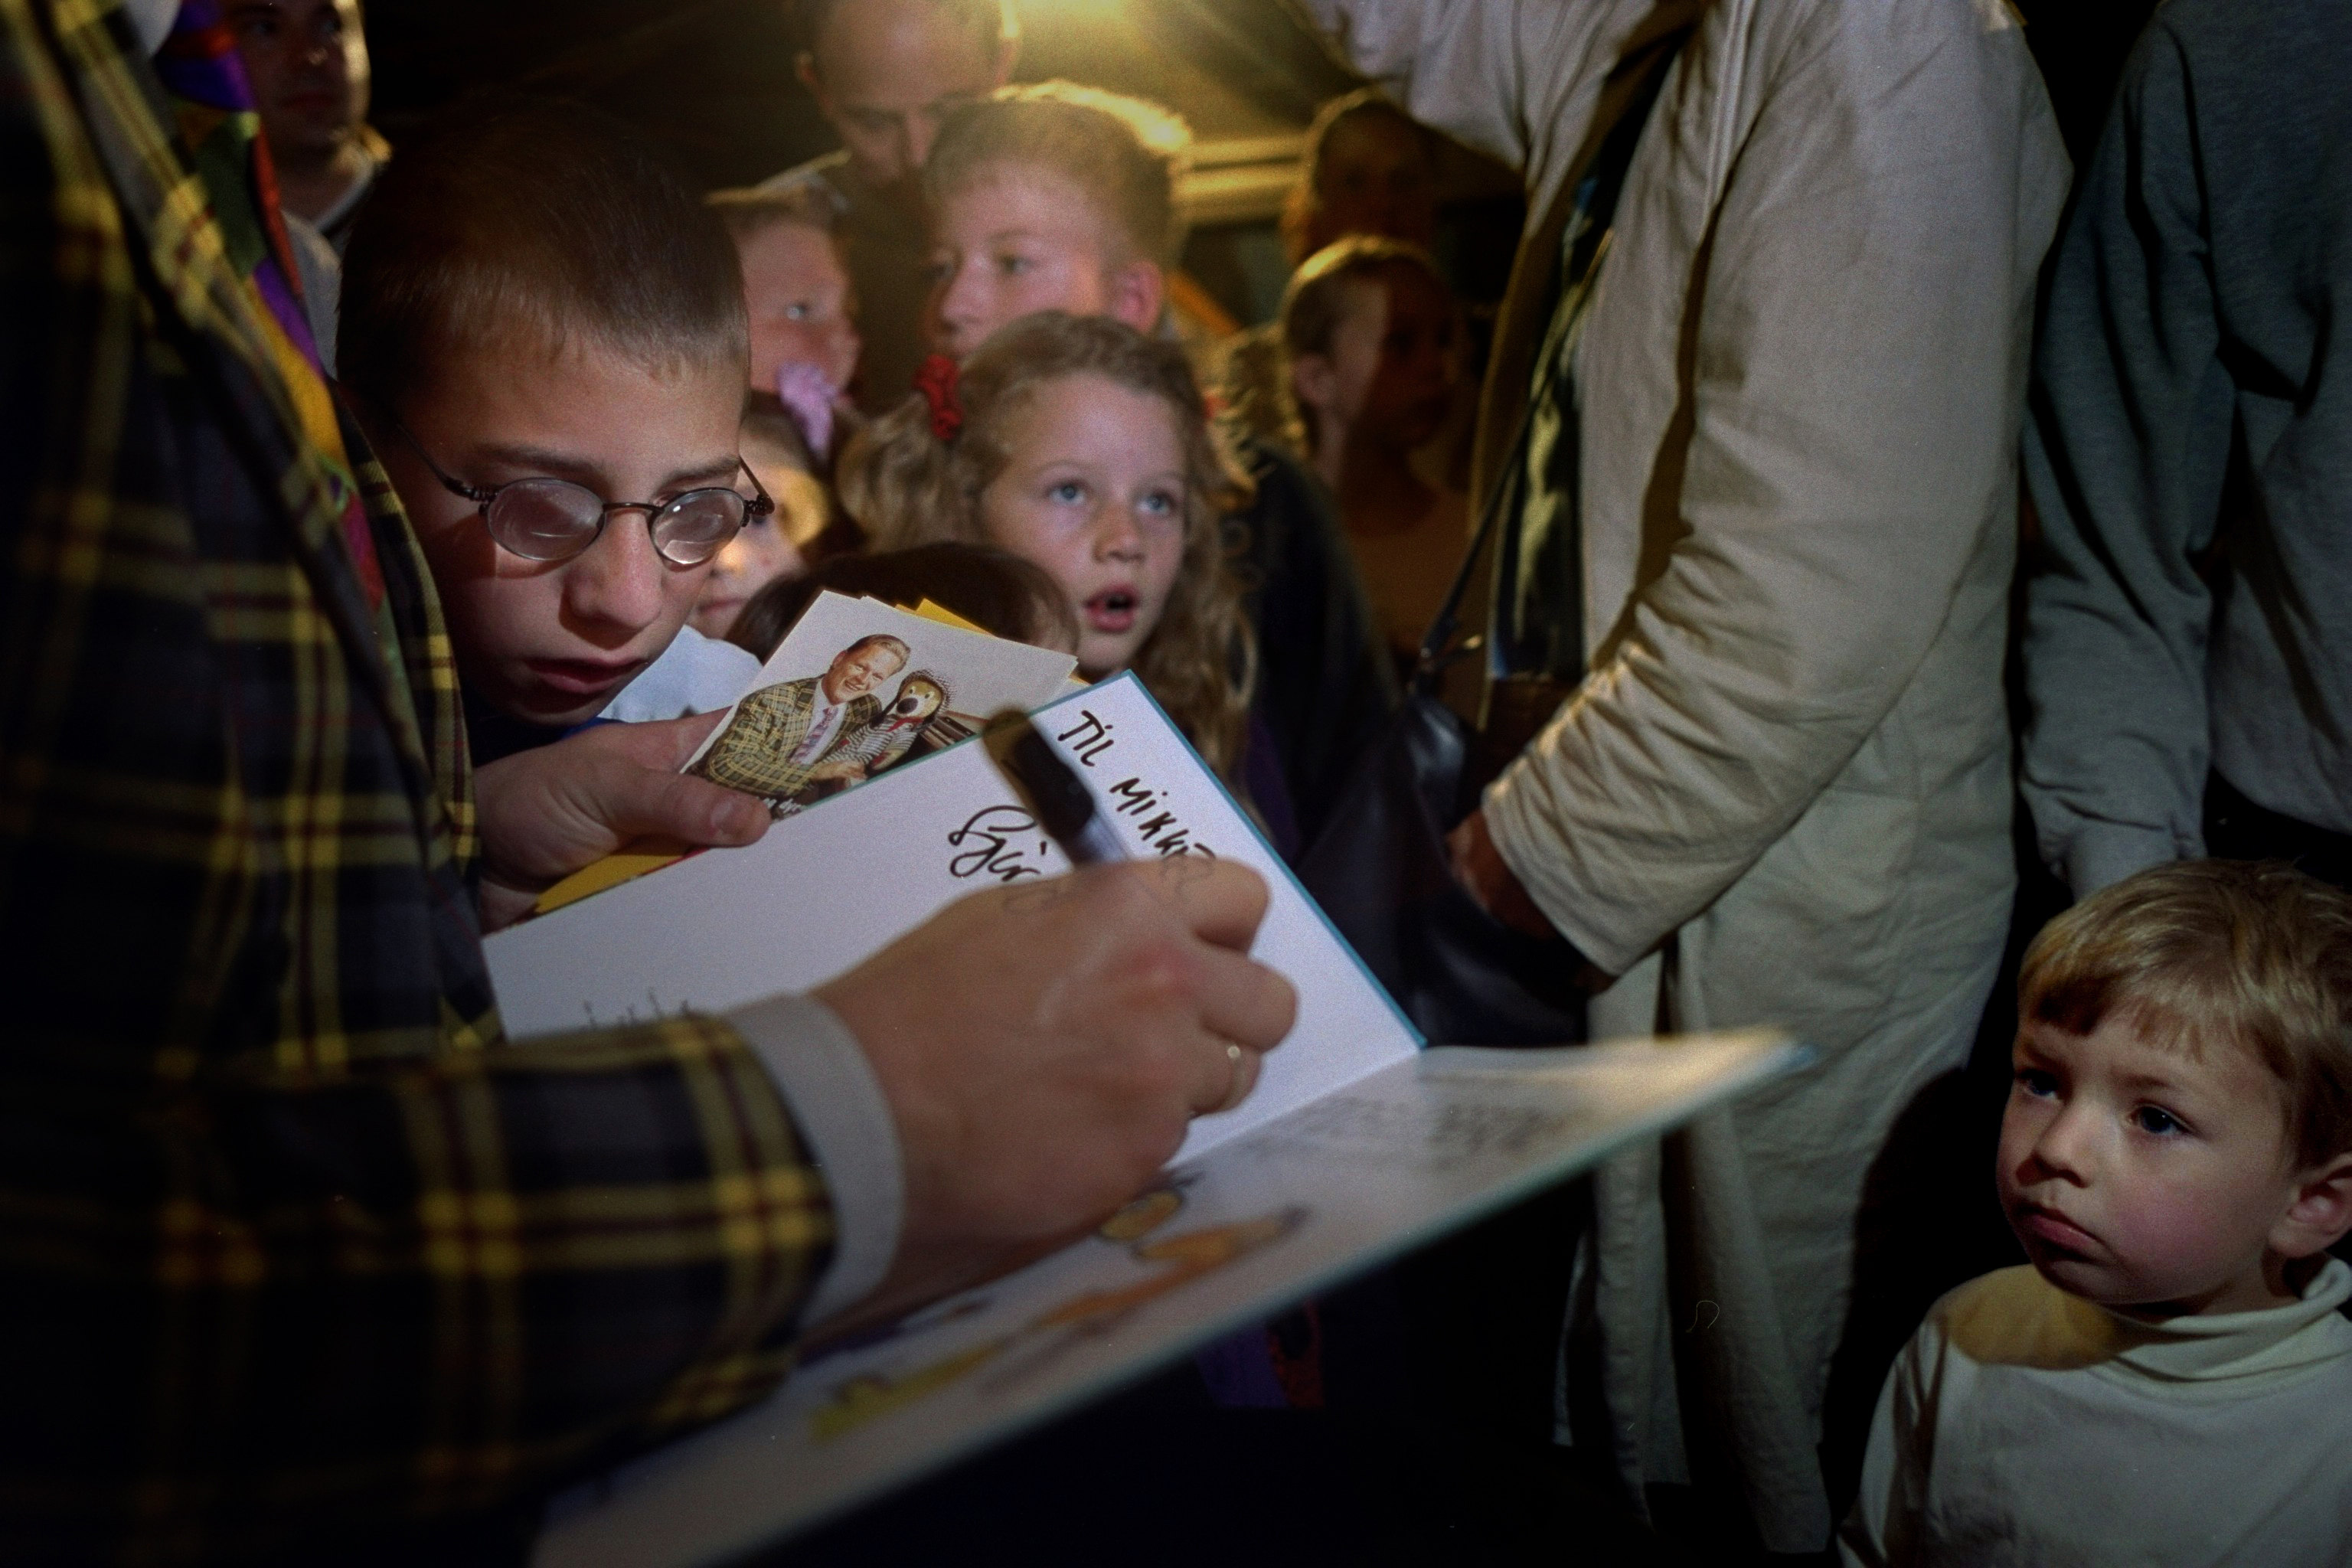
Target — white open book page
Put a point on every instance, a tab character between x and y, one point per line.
1367	1173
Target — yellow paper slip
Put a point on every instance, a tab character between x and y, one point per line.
932	610
626	864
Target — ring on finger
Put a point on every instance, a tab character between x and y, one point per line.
1237	1086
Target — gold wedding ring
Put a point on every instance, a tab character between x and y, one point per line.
1234	1090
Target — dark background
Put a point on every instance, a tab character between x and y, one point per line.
714	77
713	80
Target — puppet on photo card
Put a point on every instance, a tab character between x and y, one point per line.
917	722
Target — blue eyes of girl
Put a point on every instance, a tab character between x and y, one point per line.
1070	492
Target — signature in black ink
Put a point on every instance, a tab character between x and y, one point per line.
992	844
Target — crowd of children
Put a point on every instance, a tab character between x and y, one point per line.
634	434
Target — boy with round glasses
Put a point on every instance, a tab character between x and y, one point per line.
545	329
2170	1383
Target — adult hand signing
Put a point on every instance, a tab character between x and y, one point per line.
1044	1045
547	812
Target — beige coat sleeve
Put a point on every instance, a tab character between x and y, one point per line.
1516	80
1851	370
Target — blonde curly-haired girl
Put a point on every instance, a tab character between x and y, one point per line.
1081	445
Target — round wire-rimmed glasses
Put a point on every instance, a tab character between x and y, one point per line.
555	520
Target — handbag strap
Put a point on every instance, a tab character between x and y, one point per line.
1588	222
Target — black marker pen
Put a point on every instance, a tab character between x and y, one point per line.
1053	793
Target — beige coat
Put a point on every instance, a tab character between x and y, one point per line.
1782	796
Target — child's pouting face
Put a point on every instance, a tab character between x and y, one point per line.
1093	490
798	297
2141	1175
1017	239
553	641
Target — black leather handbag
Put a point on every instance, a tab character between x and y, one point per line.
1380	869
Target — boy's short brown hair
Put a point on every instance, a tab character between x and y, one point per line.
1127	154
523	225
2253	955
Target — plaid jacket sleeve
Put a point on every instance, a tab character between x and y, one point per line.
287	1232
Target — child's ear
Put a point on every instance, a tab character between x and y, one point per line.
805	68
2321	1212
1138	290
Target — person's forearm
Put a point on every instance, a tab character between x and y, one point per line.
1453	64
1839	514
503	1259
842	1113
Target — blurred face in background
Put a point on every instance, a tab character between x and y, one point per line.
1391	373
1403	357
885	73
308	63
766	548
801	304
1375	177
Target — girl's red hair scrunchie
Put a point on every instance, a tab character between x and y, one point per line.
937	380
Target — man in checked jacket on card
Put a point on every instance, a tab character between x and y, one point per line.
778	737
297	1253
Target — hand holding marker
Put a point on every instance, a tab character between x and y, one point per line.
1051	790
1066	809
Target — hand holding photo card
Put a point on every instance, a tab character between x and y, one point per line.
860	687
857	688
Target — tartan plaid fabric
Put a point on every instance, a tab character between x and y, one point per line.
289	1236
754	752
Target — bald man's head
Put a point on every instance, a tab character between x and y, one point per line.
887	72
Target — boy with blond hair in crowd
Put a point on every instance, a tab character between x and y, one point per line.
1056	197
2170	1381
1053	198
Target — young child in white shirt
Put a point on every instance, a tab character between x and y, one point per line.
2170	1381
